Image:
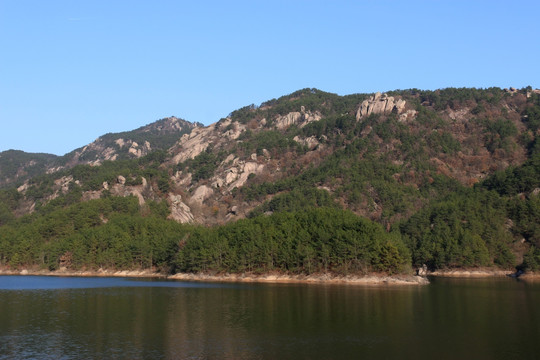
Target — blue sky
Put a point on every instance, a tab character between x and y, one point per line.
71	71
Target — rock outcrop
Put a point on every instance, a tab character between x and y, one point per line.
137	151
311	142
111	147
179	210
194	143
380	104
301	118
202	193
139	191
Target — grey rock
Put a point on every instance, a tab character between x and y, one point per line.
380	104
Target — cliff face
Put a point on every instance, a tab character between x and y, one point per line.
362	150
380	104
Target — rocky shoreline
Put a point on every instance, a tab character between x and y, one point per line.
374	279
471	273
484	273
311	279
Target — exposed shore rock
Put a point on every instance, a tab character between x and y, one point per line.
470	273
367	280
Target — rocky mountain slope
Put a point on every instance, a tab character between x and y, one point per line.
18	166
212	171
385	157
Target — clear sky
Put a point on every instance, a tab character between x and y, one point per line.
71	71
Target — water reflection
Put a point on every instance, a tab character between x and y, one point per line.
448	319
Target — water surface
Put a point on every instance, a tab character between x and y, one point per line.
74	318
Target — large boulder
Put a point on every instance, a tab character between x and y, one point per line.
179	211
202	193
380	104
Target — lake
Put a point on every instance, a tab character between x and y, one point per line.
118	318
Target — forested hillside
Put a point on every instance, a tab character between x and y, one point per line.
309	182
18	165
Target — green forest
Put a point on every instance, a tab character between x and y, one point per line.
116	233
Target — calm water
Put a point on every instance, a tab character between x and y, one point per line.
82	318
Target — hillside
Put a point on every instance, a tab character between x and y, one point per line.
435	170
17	166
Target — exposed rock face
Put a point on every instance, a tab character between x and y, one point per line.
120	189
301	118
235	173
179	211
232	130
201	193
22	189
137	151
63	183
407	116
423	271
231	175
181	179
380	104
193	144
311	142
172	124
285	121
218	134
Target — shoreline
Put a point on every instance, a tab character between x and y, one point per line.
372	280
484	273
471	273
324	278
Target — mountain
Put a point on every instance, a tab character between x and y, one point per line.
435	169
18	166
159	135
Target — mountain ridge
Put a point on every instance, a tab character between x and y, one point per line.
393	158
110	146
267	124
